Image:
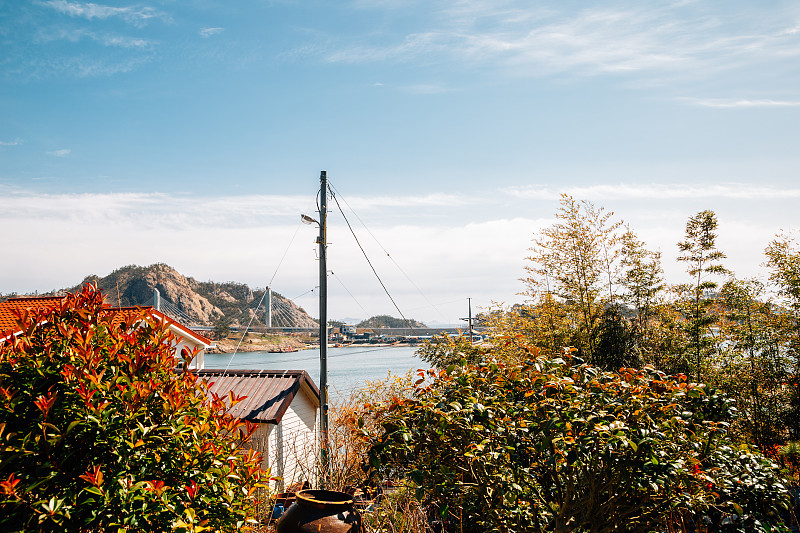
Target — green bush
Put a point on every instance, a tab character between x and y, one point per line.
558	445
444	350
98	432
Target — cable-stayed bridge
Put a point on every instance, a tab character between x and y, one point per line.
274	315
270	312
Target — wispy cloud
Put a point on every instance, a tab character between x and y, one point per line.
150	209
63	152
208	32
412	48
740	103
81	66
75	35
136	15
740	191
122	41
672	39
15	142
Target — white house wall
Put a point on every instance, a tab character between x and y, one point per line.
292	444
259	441
198	360
299	433
289	449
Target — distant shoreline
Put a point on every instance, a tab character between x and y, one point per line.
228	346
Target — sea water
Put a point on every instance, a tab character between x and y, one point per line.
349	368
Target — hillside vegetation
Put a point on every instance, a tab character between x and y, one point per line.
386	321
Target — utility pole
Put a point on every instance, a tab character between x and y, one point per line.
469	304
469	319
323	322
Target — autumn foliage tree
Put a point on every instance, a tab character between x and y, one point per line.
576	259
99	432
523	435
642	281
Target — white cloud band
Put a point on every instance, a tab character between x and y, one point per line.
727	103
741	191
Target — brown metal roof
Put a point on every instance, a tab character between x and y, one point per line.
268	392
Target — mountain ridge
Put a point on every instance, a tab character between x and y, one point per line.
205	303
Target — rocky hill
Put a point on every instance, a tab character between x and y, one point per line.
190	301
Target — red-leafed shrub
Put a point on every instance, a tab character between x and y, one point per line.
561	446
98	432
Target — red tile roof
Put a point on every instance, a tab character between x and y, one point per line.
8	318
269	392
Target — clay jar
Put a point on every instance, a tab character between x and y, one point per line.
320	511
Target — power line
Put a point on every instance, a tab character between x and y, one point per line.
309	290
287	316
388	254
244	334
284	254
350	293
370	262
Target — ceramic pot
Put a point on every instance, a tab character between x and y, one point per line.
320	511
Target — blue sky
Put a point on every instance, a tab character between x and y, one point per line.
193	133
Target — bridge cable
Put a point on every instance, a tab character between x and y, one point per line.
283	310
171	310
282	314
410	325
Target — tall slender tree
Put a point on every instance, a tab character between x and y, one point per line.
642	279
699	252
783	260
575	260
